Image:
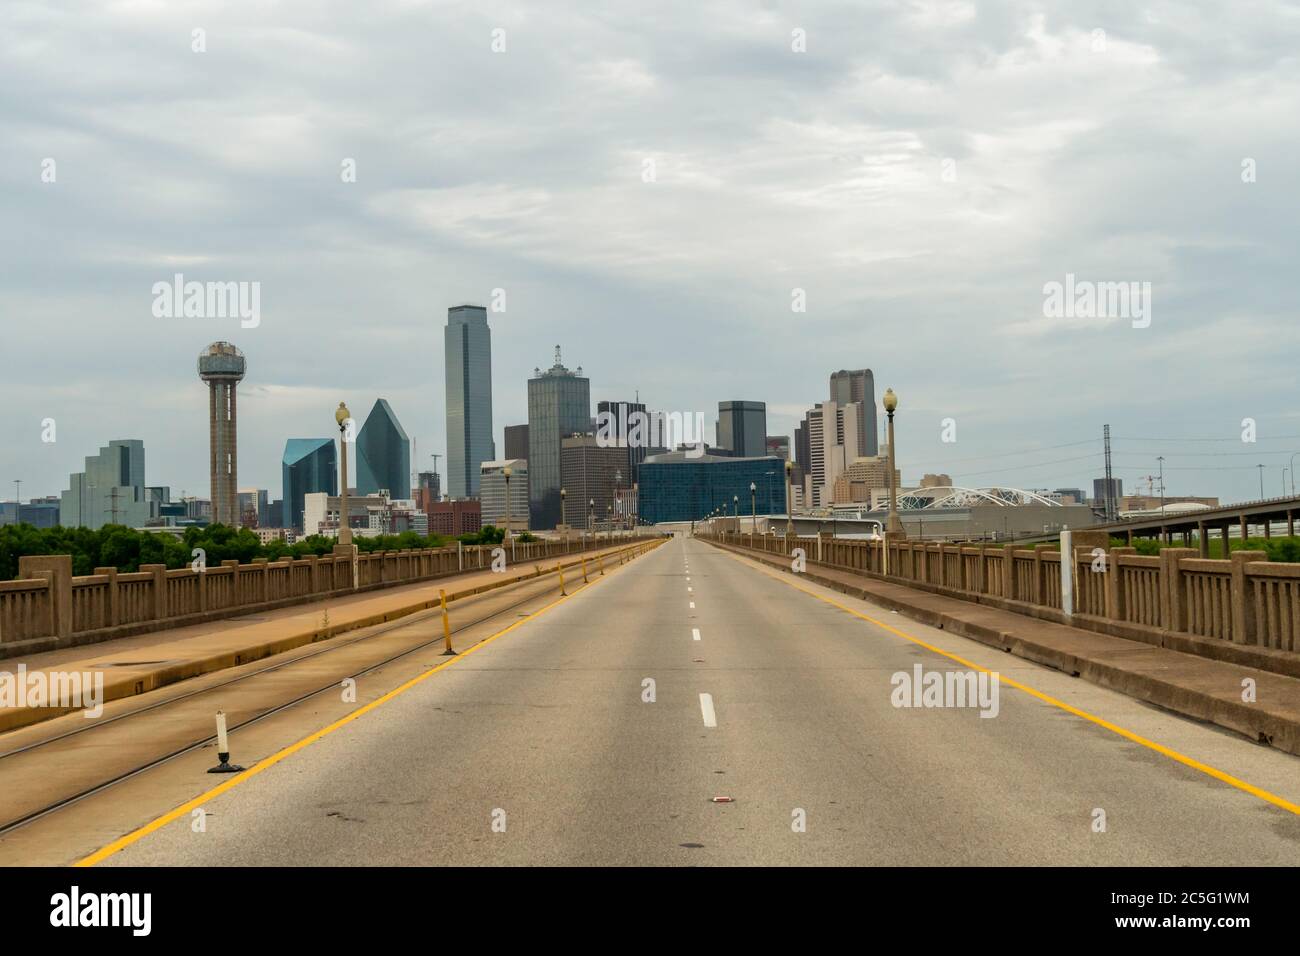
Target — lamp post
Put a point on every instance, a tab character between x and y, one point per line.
895	525
753	511
564	518
789	519
591	515
1293	474
342	416
505	538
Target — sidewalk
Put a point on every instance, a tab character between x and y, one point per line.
1187	684
145	662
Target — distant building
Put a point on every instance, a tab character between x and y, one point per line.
848	387
622	428
383	454
559	404
430	484
255	507
39	512
590	473
1100	495
492	493
833	431
677	488
309	466
467	348
742	428
110	491
1075	496
867	475
936	481
455	517
778	446
516	441
368	515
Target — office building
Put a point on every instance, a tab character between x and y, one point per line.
866	475
428	483
517	441
383	454
368	515
833	432
628	425
455	517
492	493
110	491
590	473
467	348
1100	497
677	488
221	365
39	512
742	429
309	466
859	386
254	507
778	446
559	404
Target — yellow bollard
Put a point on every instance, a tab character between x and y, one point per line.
446	623
560	568
601	559
584	571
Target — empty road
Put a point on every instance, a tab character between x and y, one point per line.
601	730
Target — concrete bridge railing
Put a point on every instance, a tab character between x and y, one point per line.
1245	608
47	607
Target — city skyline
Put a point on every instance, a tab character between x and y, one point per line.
1054	164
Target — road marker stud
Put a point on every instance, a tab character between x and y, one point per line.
223	749
724	800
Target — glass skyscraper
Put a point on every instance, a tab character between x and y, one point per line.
742	428
859	386
467	348
110	491
309	465
559	404
383	454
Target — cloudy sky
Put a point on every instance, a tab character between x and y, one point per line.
650	184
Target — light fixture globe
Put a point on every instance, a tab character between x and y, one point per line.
890	400
341	415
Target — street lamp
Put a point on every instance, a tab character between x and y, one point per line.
564	518
591	515
789	522
895	524
753	511
505	538
342	416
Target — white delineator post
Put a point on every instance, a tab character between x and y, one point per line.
223	748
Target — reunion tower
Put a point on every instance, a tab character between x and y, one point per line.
221	365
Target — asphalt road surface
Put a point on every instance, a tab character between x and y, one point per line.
541	747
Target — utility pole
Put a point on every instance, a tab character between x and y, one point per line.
1110	488
1161	459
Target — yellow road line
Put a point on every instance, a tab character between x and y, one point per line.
186	808
1174	755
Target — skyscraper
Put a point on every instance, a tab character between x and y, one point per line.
110	491
559	404
467	345
383	454
742	428
619	416
859	386
309	465
221	365
517	441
